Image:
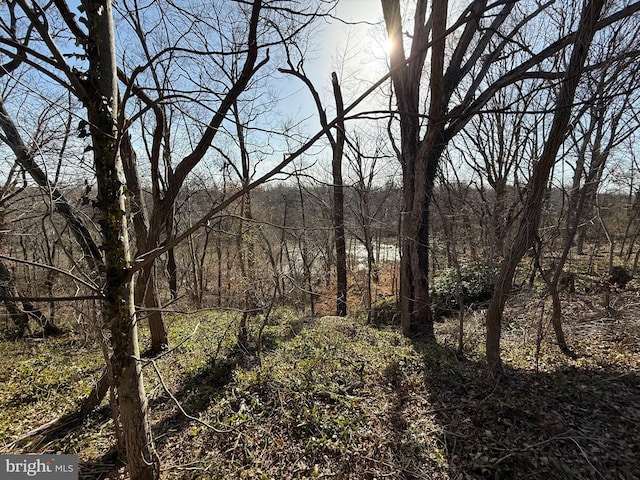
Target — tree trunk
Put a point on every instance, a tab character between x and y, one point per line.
337	150
528	227
8	293
147	294
367	237
146	286
172	267
338	203
101	101
245	238
307	261
419	158
575	211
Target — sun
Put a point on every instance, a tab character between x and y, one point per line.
387	46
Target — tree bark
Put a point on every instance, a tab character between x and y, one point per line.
146	286
172	267
245	241
338	202
419	158
119	313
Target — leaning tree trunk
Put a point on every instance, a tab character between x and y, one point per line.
537	187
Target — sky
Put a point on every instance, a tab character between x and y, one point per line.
359	35
352	47
355	51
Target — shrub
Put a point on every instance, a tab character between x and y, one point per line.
476	286
385	312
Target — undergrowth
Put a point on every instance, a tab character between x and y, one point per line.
334	398
41	380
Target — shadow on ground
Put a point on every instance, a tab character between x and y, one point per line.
574	423
336	399
348	402
207	386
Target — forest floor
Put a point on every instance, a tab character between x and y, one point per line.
334	398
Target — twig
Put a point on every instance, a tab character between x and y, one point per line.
561	436
167	352
91	287
585	456
70	298
175	400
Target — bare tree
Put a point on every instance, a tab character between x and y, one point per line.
337	142
109	123
488	32
527	229
370	199
165	188
97	88
475	51
494	146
